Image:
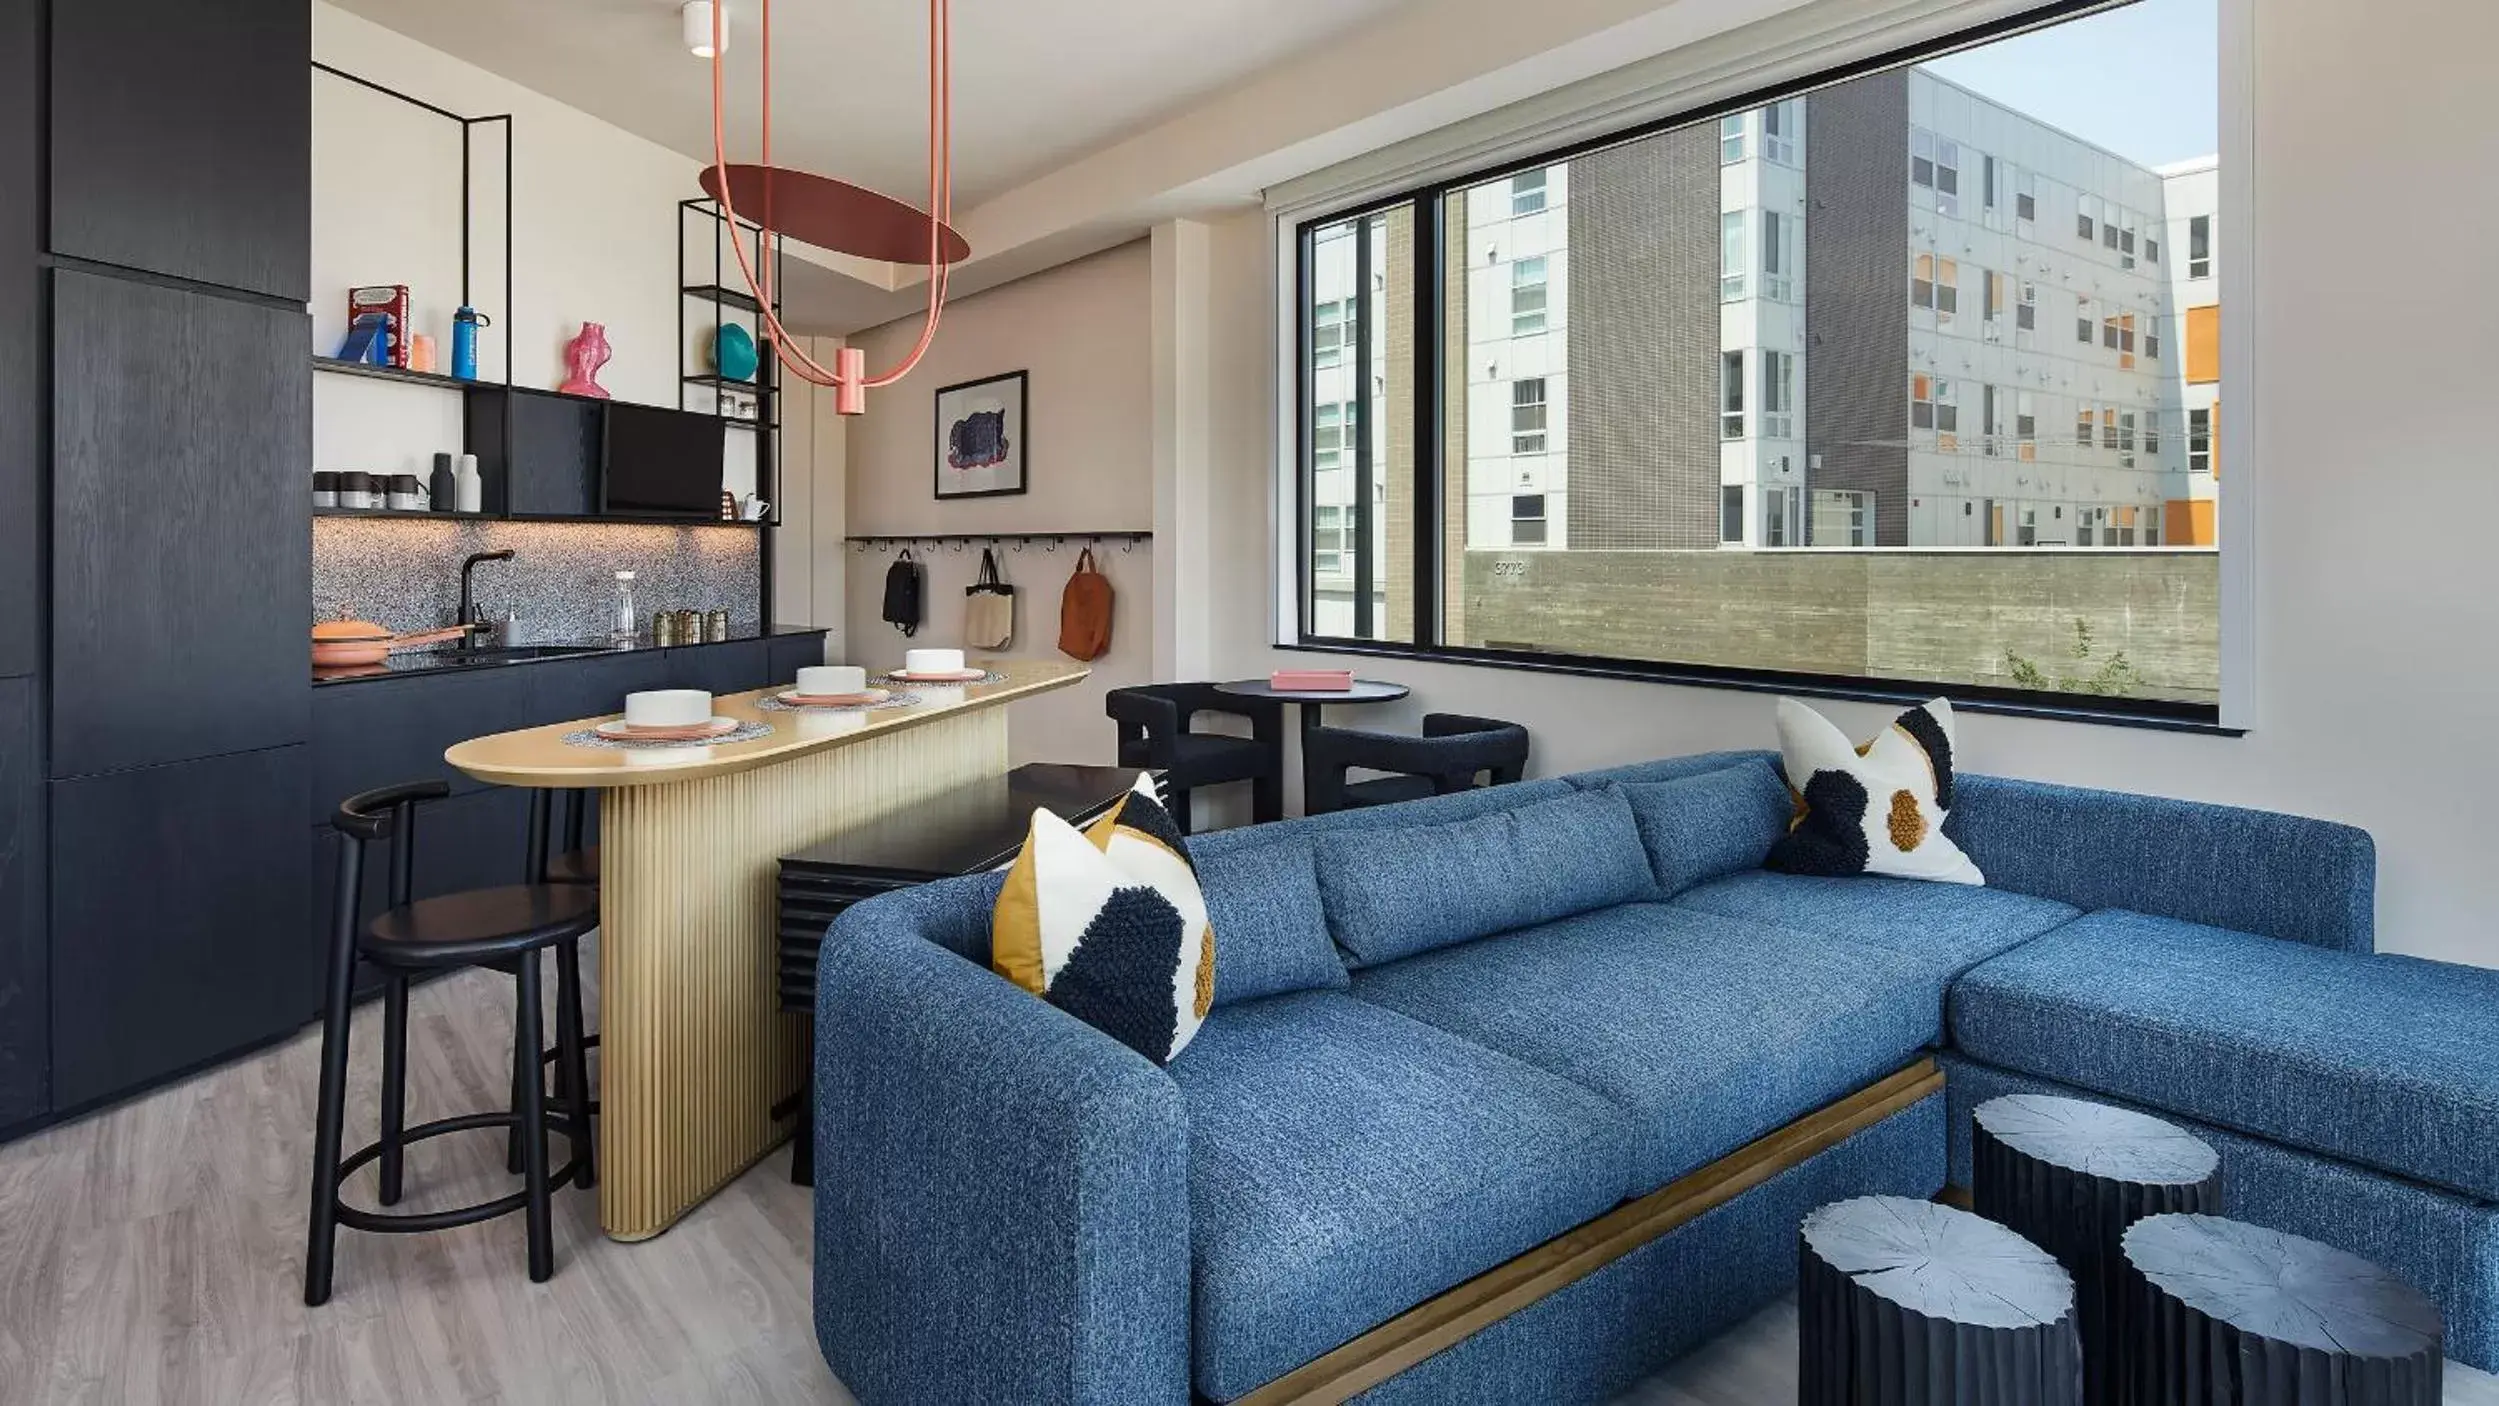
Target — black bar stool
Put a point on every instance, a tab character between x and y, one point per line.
505	929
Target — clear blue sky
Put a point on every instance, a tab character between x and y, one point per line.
2142	81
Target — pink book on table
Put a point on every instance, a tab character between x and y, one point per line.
1312	680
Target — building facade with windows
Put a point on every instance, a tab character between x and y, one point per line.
1938	323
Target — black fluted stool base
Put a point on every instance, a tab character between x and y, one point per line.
1909	1303
2071	1177
2226	1314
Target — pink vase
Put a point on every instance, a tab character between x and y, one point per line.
583	356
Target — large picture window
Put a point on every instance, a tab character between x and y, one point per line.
1733	436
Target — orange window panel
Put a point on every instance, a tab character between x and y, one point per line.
2203	345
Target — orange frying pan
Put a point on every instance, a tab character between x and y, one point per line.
346	643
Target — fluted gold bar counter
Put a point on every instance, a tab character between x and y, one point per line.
694	1050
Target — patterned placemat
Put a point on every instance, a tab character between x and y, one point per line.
771	703
988	676
589	737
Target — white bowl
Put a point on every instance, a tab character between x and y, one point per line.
668	707
932	661
832	680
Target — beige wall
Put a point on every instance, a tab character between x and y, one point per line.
1083	333
2373	585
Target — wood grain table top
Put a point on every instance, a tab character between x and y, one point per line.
540	756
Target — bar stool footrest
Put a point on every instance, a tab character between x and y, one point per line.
416	1222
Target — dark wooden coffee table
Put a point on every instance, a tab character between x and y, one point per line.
2238	1315
2070	1177
1910	1303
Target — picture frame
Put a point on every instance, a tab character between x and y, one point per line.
983	440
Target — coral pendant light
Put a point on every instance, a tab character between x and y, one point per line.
836	215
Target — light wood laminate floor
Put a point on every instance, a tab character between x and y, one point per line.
154	1253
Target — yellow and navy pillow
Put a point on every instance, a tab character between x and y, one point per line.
1875	809
1108	924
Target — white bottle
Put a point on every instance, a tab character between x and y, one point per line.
468	488
627	631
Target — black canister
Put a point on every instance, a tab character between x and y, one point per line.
445	485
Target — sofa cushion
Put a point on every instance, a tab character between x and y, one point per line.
1271	935
1711	825
1666	769
2389	1062
1307	831
1394	893
1346	1163
1710	1032
1952	927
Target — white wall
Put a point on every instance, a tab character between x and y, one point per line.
1083	333
2374	692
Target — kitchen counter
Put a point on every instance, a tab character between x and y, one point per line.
695	1052
451	660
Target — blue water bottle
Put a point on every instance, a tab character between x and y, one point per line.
464	325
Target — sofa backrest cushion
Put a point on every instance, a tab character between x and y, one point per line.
2253	871
1709	826
1307	831
1271	934
1394	893
1666	769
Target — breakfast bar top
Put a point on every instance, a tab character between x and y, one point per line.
540	756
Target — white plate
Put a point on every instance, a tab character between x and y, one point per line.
623	731
966	676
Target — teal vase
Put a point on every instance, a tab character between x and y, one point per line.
733	352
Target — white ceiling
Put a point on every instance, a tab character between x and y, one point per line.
1036	82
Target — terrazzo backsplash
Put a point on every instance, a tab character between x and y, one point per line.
561	581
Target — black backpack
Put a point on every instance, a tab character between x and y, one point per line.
902	594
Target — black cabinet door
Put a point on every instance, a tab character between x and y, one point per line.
24	992
572	689
181	546
182	140
720	668
791	653
382	732
21	335
178	899
556	444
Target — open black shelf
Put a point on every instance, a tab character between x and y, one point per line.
406	512
737	298
719	382
616	520
367	369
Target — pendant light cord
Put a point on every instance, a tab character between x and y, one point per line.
941	193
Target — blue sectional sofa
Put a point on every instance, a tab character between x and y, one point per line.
1566	1044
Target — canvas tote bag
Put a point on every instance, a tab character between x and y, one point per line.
1085	612
988	608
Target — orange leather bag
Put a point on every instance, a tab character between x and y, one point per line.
1085	612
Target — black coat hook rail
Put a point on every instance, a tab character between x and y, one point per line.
1016	541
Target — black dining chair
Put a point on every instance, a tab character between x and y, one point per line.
1453	752
1154	735
506	929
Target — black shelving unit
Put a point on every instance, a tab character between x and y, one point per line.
372	372
724	299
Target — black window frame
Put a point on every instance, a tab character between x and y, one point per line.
1429	266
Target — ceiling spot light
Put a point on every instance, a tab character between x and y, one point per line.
694	19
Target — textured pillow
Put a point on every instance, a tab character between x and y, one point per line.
1394	893
1108	925
1709	826
1875	809
1264	899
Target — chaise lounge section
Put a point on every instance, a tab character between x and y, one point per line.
1519	1093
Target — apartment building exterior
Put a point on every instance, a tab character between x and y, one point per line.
1938	323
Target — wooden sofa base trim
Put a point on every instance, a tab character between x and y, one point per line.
1454	1315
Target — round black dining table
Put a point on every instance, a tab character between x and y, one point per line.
1312	700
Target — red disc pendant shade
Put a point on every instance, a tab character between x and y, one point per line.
833	214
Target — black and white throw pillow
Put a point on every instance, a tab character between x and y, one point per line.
1872	809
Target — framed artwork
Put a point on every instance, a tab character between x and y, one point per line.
983	440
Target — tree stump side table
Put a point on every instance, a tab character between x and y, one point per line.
1909	1303
2070	1177
2238	1315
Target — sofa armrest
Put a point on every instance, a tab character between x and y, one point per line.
2254	871
1002	1199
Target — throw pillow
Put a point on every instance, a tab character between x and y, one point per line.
1875	809
1108	925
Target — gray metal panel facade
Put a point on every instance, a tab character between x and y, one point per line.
1857	296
